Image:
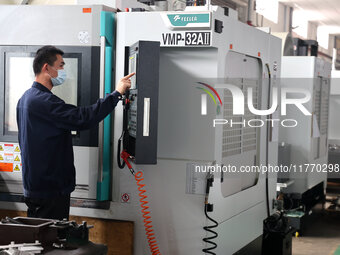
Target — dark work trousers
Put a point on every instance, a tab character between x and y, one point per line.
57	208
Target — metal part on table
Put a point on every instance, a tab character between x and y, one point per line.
21	249
30	230
70	233
68	236
26	230
10	220
74	233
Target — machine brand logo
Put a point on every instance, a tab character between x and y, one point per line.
238	104
179	20
177	17
204	98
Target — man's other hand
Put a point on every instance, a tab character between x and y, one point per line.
124	83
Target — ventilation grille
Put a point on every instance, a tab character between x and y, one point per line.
240	138
249	133
324	108
317	104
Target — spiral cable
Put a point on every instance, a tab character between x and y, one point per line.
209	240
150	234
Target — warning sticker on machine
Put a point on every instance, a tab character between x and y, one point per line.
125	198
9	147
17	149
186	39
10	151
17	158
17	167
9	157
6	167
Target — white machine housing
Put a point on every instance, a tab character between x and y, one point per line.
334	106
309	139
236	55
82	40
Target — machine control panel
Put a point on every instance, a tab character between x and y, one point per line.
142	111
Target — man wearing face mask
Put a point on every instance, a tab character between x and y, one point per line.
45	123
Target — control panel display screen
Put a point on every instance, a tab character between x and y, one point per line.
132	69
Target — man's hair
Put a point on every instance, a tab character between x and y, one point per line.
47	54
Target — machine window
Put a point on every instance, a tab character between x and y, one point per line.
19	77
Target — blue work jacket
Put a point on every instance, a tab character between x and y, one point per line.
45	123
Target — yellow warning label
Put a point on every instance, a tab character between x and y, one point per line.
16	168
17	149
1	148
17	158
1	157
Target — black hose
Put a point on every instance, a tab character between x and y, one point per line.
208	240
124	132
121	165
209	208
267	146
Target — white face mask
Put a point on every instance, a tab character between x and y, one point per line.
60	79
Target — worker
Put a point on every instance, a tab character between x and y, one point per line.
45	123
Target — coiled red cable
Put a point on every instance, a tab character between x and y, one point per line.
150	234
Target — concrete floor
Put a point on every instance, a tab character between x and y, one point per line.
321	237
